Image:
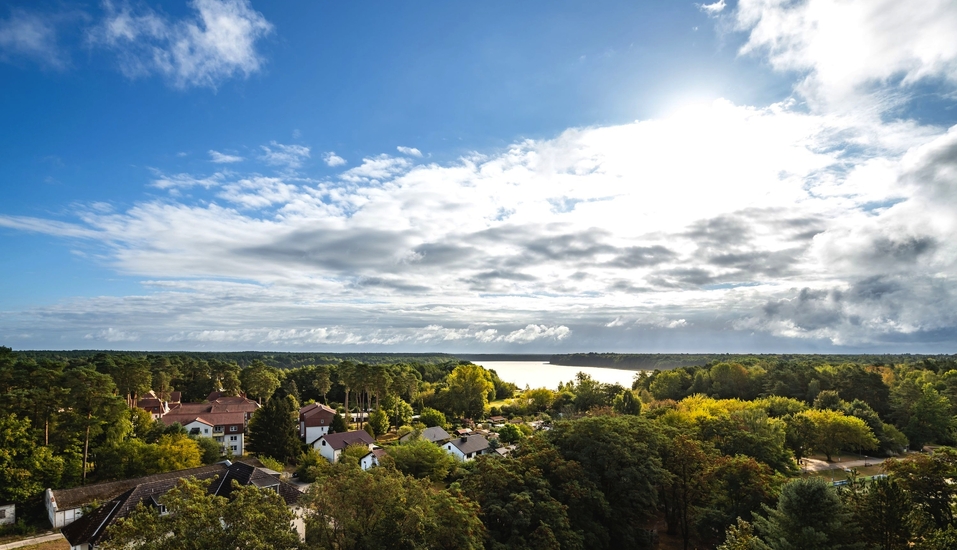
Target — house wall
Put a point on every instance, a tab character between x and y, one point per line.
368	461
8	514
454	451
205	430
231	435
231	440
326	450
314	432
59	518
299	523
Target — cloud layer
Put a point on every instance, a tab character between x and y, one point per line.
822	222
721	218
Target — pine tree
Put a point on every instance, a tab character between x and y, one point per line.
273	430
809	516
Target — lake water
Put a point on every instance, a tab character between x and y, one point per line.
537	374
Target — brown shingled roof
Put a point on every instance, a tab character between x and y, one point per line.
76	497
342	440
91	527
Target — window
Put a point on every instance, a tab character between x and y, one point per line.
206	430
233	428
323	442
322	420
162	509
233	448
3	514
233	438
194	431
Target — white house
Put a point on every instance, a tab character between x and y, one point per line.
330	446
314	421
467	447
8	514
227	428
372	459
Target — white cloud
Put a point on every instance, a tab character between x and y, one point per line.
712	9
178	181
30	35
290	156
332	159
259	192
376	169
854	49
532	333
223	158
411	151
218	43
112	335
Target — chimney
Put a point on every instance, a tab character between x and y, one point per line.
463	439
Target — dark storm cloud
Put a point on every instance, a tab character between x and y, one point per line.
726	230
888	309
390	284
338	251
683	277
810	310
629	287
642	256
907	249
444	254
501	275
936	174
759	262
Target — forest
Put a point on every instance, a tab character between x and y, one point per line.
704	456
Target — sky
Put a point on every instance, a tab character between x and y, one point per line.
748	176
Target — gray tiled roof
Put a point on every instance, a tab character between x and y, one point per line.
470	444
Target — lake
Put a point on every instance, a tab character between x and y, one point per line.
537	374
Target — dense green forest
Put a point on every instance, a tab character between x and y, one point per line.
699	456
663	361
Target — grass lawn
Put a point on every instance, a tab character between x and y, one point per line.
500	402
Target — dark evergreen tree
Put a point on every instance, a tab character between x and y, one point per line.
809	516
273	430
339	424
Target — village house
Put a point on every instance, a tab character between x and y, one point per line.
223	418
372	459
314	421
8	514
330	446
435	434
64	506
87	531
467	447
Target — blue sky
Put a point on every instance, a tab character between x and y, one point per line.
752	176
